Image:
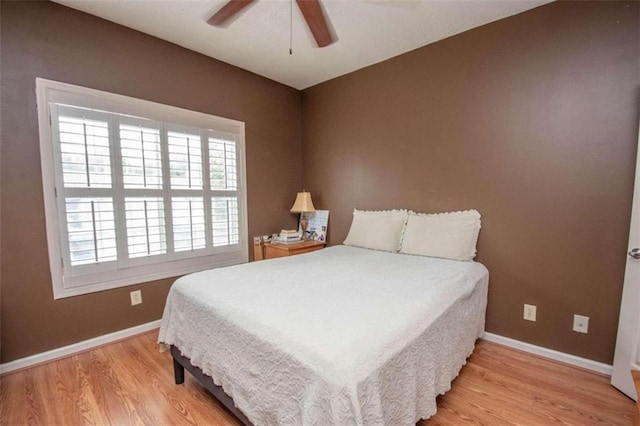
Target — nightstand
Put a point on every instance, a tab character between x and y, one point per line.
271	251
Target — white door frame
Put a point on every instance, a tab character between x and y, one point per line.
627	354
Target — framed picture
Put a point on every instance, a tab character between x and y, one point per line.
317	227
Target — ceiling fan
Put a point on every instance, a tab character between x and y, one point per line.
311	11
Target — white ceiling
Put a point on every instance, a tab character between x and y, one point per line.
368	31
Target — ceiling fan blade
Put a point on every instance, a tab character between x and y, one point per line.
312	13
228	11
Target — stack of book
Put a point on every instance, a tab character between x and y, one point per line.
289	236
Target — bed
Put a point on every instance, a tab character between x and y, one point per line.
343	335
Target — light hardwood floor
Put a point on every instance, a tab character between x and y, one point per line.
131	383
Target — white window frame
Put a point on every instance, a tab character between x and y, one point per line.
133	270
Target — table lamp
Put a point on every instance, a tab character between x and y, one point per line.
302	205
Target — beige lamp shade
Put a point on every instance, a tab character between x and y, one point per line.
303	203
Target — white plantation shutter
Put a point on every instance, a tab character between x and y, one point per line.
188	223
185	160
224	184
142	177
132	198
91	230
222	160
146	235
83	142
141	155
226	225
84	148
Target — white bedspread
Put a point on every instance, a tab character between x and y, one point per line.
339	336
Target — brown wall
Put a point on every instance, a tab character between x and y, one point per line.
51	41
532	120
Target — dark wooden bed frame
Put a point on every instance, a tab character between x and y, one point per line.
181	362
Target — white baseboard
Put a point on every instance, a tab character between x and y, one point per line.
75	348
85	345
577	361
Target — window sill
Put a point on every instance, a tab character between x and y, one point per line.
126	277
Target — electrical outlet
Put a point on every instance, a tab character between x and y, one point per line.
580	324
136	297
529	312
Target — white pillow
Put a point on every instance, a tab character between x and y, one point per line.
377	230
446	235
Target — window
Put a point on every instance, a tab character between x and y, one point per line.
135	190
